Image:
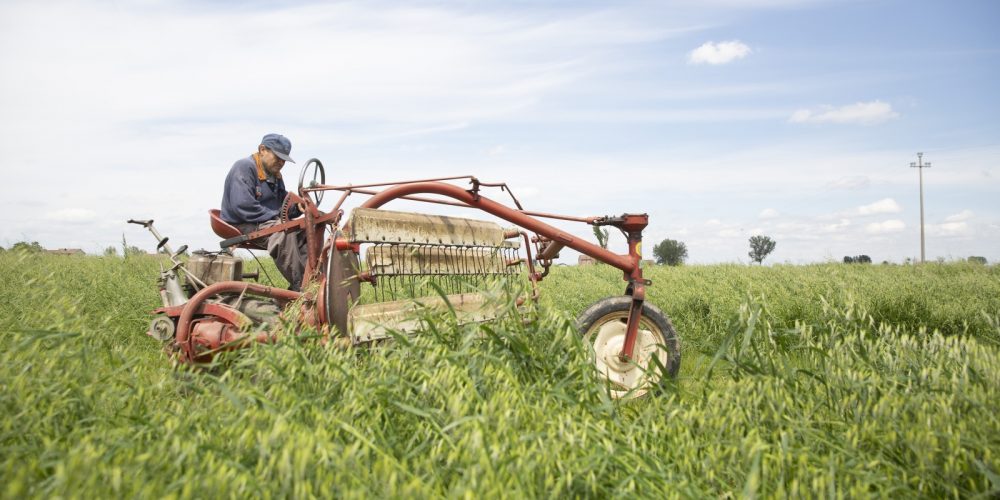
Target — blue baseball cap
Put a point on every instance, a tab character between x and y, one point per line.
279	145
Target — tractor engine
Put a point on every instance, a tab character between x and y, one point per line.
214	267
224	321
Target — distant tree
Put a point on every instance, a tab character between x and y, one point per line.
670	252
602	236
848	259
24	246
975	259
857	259
760	247
111	251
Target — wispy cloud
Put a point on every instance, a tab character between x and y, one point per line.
949	229
768	213
962	216
850	182
837	226
883	206
954	225
719	53
393	69
524	94
863	113
880	207
71	215
889	226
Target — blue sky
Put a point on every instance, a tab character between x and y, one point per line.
721	119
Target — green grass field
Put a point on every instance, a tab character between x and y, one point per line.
827	380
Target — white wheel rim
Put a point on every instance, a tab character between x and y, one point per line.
632	378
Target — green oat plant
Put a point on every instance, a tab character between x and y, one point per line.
824	380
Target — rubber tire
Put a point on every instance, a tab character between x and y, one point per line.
614	306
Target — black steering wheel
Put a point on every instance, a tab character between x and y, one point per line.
318	177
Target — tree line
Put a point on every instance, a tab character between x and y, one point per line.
674	253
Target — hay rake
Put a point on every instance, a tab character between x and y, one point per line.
367	273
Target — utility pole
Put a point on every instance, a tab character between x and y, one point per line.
920	166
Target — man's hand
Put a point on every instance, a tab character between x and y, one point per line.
286	206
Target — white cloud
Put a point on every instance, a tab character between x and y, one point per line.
768	213
889	226
863	113
399	70
964	215
393	91
353	75
883	206
837	226
850	182
719	53
958	228
71	215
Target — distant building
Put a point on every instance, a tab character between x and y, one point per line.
66	251
585	260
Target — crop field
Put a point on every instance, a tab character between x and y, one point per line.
831	380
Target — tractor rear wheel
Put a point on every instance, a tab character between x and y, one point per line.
657	353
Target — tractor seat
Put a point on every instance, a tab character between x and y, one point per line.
226	230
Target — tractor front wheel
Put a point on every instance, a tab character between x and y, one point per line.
656	356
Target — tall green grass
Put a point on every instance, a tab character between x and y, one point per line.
824	380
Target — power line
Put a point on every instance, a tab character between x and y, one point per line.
920	166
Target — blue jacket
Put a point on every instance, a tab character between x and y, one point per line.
252	194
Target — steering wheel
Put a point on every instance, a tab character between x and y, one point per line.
318	173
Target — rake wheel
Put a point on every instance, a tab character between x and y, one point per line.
657	348
342	286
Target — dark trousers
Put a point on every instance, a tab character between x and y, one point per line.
288	249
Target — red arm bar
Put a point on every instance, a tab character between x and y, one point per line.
623	262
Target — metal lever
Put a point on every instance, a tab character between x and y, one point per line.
143	223
234	241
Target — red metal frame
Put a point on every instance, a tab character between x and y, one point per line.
314	223
631	224
627	263
197	305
